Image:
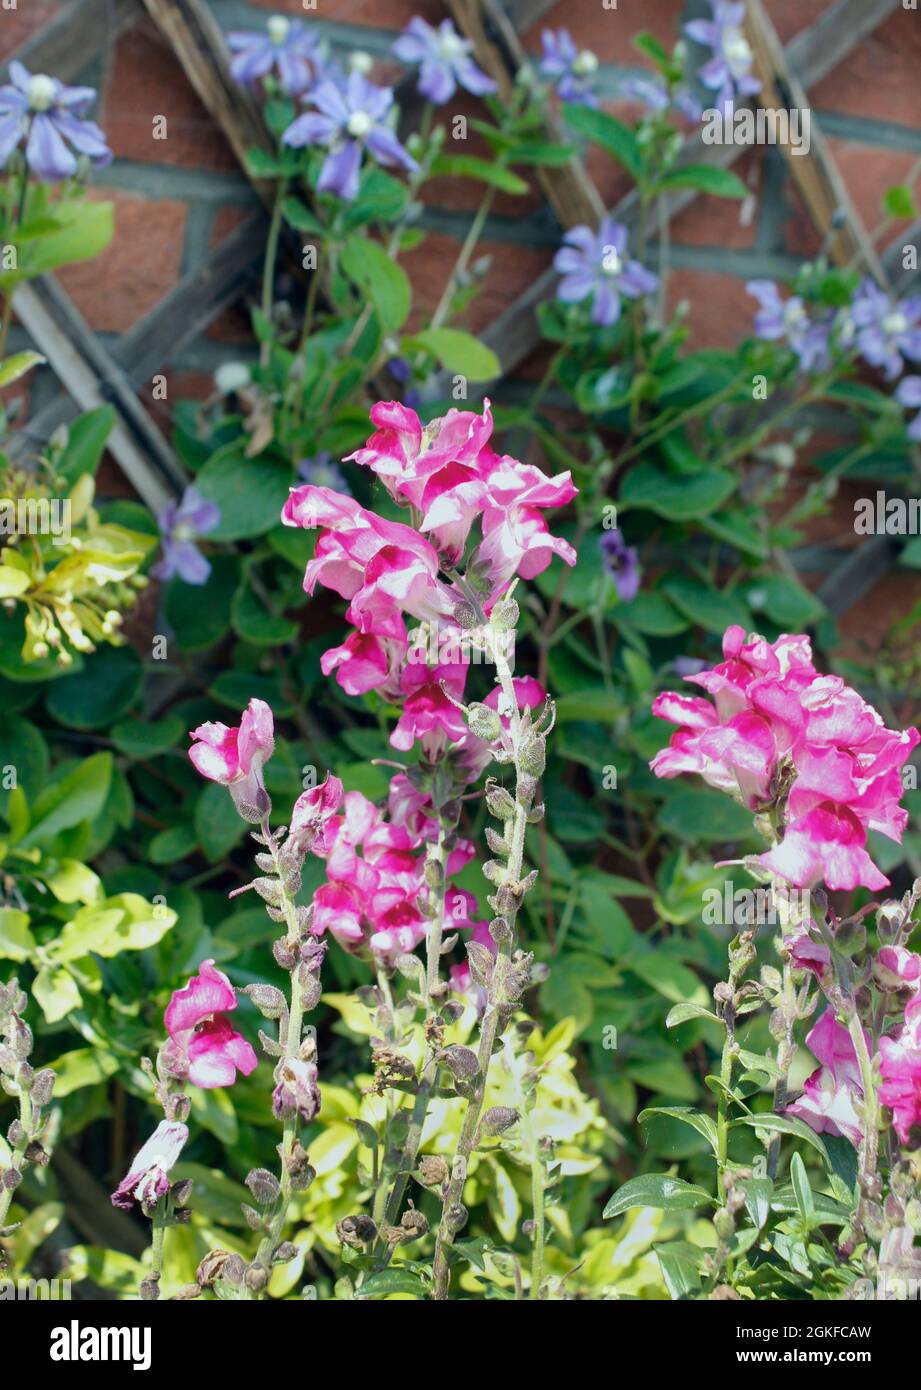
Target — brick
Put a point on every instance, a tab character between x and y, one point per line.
148	81
138	267
16	26
726	222
609	32
507	277
721	311
790	17
372	14
879	79
868	173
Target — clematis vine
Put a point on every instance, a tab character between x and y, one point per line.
444	60
50	118
594	266
181	524
728	70
350	117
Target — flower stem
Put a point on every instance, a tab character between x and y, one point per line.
17	1157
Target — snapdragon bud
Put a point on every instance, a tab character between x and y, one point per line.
483	722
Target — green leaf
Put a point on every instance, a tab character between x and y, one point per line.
657	1190
255	624
56	993
250	492
669	977
73	882
300	217
139	739
123	923
651	613
85	228
201	616
13	582
22	747
381	278
85	1066
607	131
86	441
12	368
702	1123
705	606
786	602
699	813
78	796
899	202
680	1264
786	1124
457	351
648	43
676	498
389	1281
217	824
466	166
704	178
682	1013
16	940
802	1189
105	688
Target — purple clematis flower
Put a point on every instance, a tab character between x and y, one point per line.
887	330
286	46
593	264
620	560
728	72
908	393
570	70
49	116
181	523
789	319
445	60
321	472
348	119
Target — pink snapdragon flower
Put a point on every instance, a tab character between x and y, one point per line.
834	1090
428	714
808	954
366	662
148	1177
312	818
235	757
777	725
900	1070
896	968
516	537
203	1045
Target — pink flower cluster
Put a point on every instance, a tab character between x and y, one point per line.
449	477
780	734
900	1070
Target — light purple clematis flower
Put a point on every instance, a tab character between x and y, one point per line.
789	320
728	72
594	264
348	119
181	523
570	69
908	393
653	93
286	46
321	472
49	117
620	560
887	330
445	60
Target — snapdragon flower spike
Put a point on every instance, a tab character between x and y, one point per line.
148	1177
728	71
350	117
789	320
779	729
444	60
833	1091
570	70
181	524
50	117
286	47
203	1045
900	1069
595	266
235	757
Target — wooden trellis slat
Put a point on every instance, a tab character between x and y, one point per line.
815	173
179	317
497	48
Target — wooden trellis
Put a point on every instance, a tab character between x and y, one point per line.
91	372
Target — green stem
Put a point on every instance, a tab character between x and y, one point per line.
268	269
17	1157
463	259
